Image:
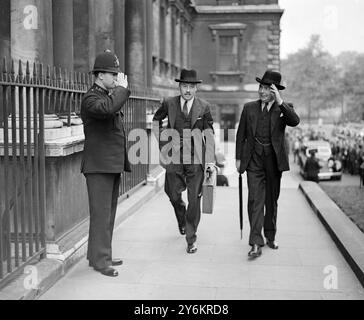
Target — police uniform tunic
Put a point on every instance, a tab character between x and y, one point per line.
104	159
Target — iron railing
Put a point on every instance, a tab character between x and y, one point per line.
25	99
22	168
135	112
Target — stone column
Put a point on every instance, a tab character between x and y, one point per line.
149	43
104	25
63	33
168	40
31	31
185	44
119	31
4	29
135	41
189	44
83	40
178	40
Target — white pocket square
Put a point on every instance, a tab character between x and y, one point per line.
200	118
282	115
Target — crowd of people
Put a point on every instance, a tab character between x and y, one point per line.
347	145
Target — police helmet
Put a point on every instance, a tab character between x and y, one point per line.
106	62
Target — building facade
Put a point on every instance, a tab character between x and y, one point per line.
234	42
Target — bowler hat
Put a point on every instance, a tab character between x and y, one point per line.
272	77
106	62
188	76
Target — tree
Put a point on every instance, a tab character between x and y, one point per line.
313	83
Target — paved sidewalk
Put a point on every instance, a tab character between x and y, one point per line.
156	265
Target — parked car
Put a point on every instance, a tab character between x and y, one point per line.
331	168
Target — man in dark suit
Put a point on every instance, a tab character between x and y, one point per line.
262	152
312	167
190	125
104	157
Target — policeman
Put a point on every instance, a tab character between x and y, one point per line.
104	157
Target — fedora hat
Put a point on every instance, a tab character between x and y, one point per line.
188	76
272	77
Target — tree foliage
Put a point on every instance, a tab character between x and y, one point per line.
317	81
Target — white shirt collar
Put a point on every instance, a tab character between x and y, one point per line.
270	104
189	104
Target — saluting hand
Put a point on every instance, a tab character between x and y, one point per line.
276	94
122	81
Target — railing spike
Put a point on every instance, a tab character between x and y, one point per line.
12	70
5	69
35	73
41	74
75	80
54	75
48	75
20	72
27	73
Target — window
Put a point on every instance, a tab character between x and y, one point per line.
228	59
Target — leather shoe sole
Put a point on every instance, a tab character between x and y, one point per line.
109	272
117	262
114	263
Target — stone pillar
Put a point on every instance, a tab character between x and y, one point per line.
83	40
31	31
156	40
168	40
63	33
104	26
185	44
178	40
189	45
149	43
119	31
5	29
135	41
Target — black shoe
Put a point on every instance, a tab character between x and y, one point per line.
255	252
109	272
191	248
272	244
117	262
182	230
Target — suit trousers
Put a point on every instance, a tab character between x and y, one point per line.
103	193
264	183
180	177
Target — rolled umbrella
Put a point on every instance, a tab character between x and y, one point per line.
241	204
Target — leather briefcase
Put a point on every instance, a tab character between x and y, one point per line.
209	190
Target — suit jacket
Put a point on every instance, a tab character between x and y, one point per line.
105	139
281	116
201	120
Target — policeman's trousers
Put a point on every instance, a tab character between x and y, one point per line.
103	193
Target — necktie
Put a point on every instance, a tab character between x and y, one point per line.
265	109
185	109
